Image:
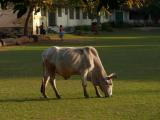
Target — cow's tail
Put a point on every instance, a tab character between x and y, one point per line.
43	64
43	68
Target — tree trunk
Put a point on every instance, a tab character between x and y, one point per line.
27	20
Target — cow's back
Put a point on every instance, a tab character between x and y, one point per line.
72	60
68	60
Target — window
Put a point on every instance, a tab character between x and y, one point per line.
77	13
59	12
84	15
52	19
71	13
66	11
90	16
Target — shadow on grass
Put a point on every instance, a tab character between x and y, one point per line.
38	99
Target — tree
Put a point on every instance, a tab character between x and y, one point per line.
152	7
112	4
109	5
25	6
28	6
95	6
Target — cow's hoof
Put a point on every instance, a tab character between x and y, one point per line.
58	97
45	96
99	96
108	96
86	96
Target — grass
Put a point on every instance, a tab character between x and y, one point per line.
133	56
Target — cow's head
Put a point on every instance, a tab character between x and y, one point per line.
107	85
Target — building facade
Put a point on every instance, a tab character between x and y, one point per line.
67	17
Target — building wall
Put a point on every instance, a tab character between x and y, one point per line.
10	20
66	21
63	20
37	21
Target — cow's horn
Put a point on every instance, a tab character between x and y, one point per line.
111	76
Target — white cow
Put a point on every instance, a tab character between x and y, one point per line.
83	61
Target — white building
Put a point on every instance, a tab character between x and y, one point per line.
66	17
62	16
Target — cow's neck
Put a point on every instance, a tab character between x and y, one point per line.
100	69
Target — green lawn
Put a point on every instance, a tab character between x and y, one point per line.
133	55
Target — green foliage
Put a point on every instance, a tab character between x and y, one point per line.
83	28
112	4
3	4
86	27
106	27
153	8
22	9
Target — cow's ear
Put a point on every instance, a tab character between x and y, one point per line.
111	76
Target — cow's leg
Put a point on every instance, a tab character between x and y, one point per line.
44	84
97	91
84	84
53	84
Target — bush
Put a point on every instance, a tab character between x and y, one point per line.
77	27
86	27
83	28
106	27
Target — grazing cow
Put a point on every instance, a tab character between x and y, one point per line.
83	61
